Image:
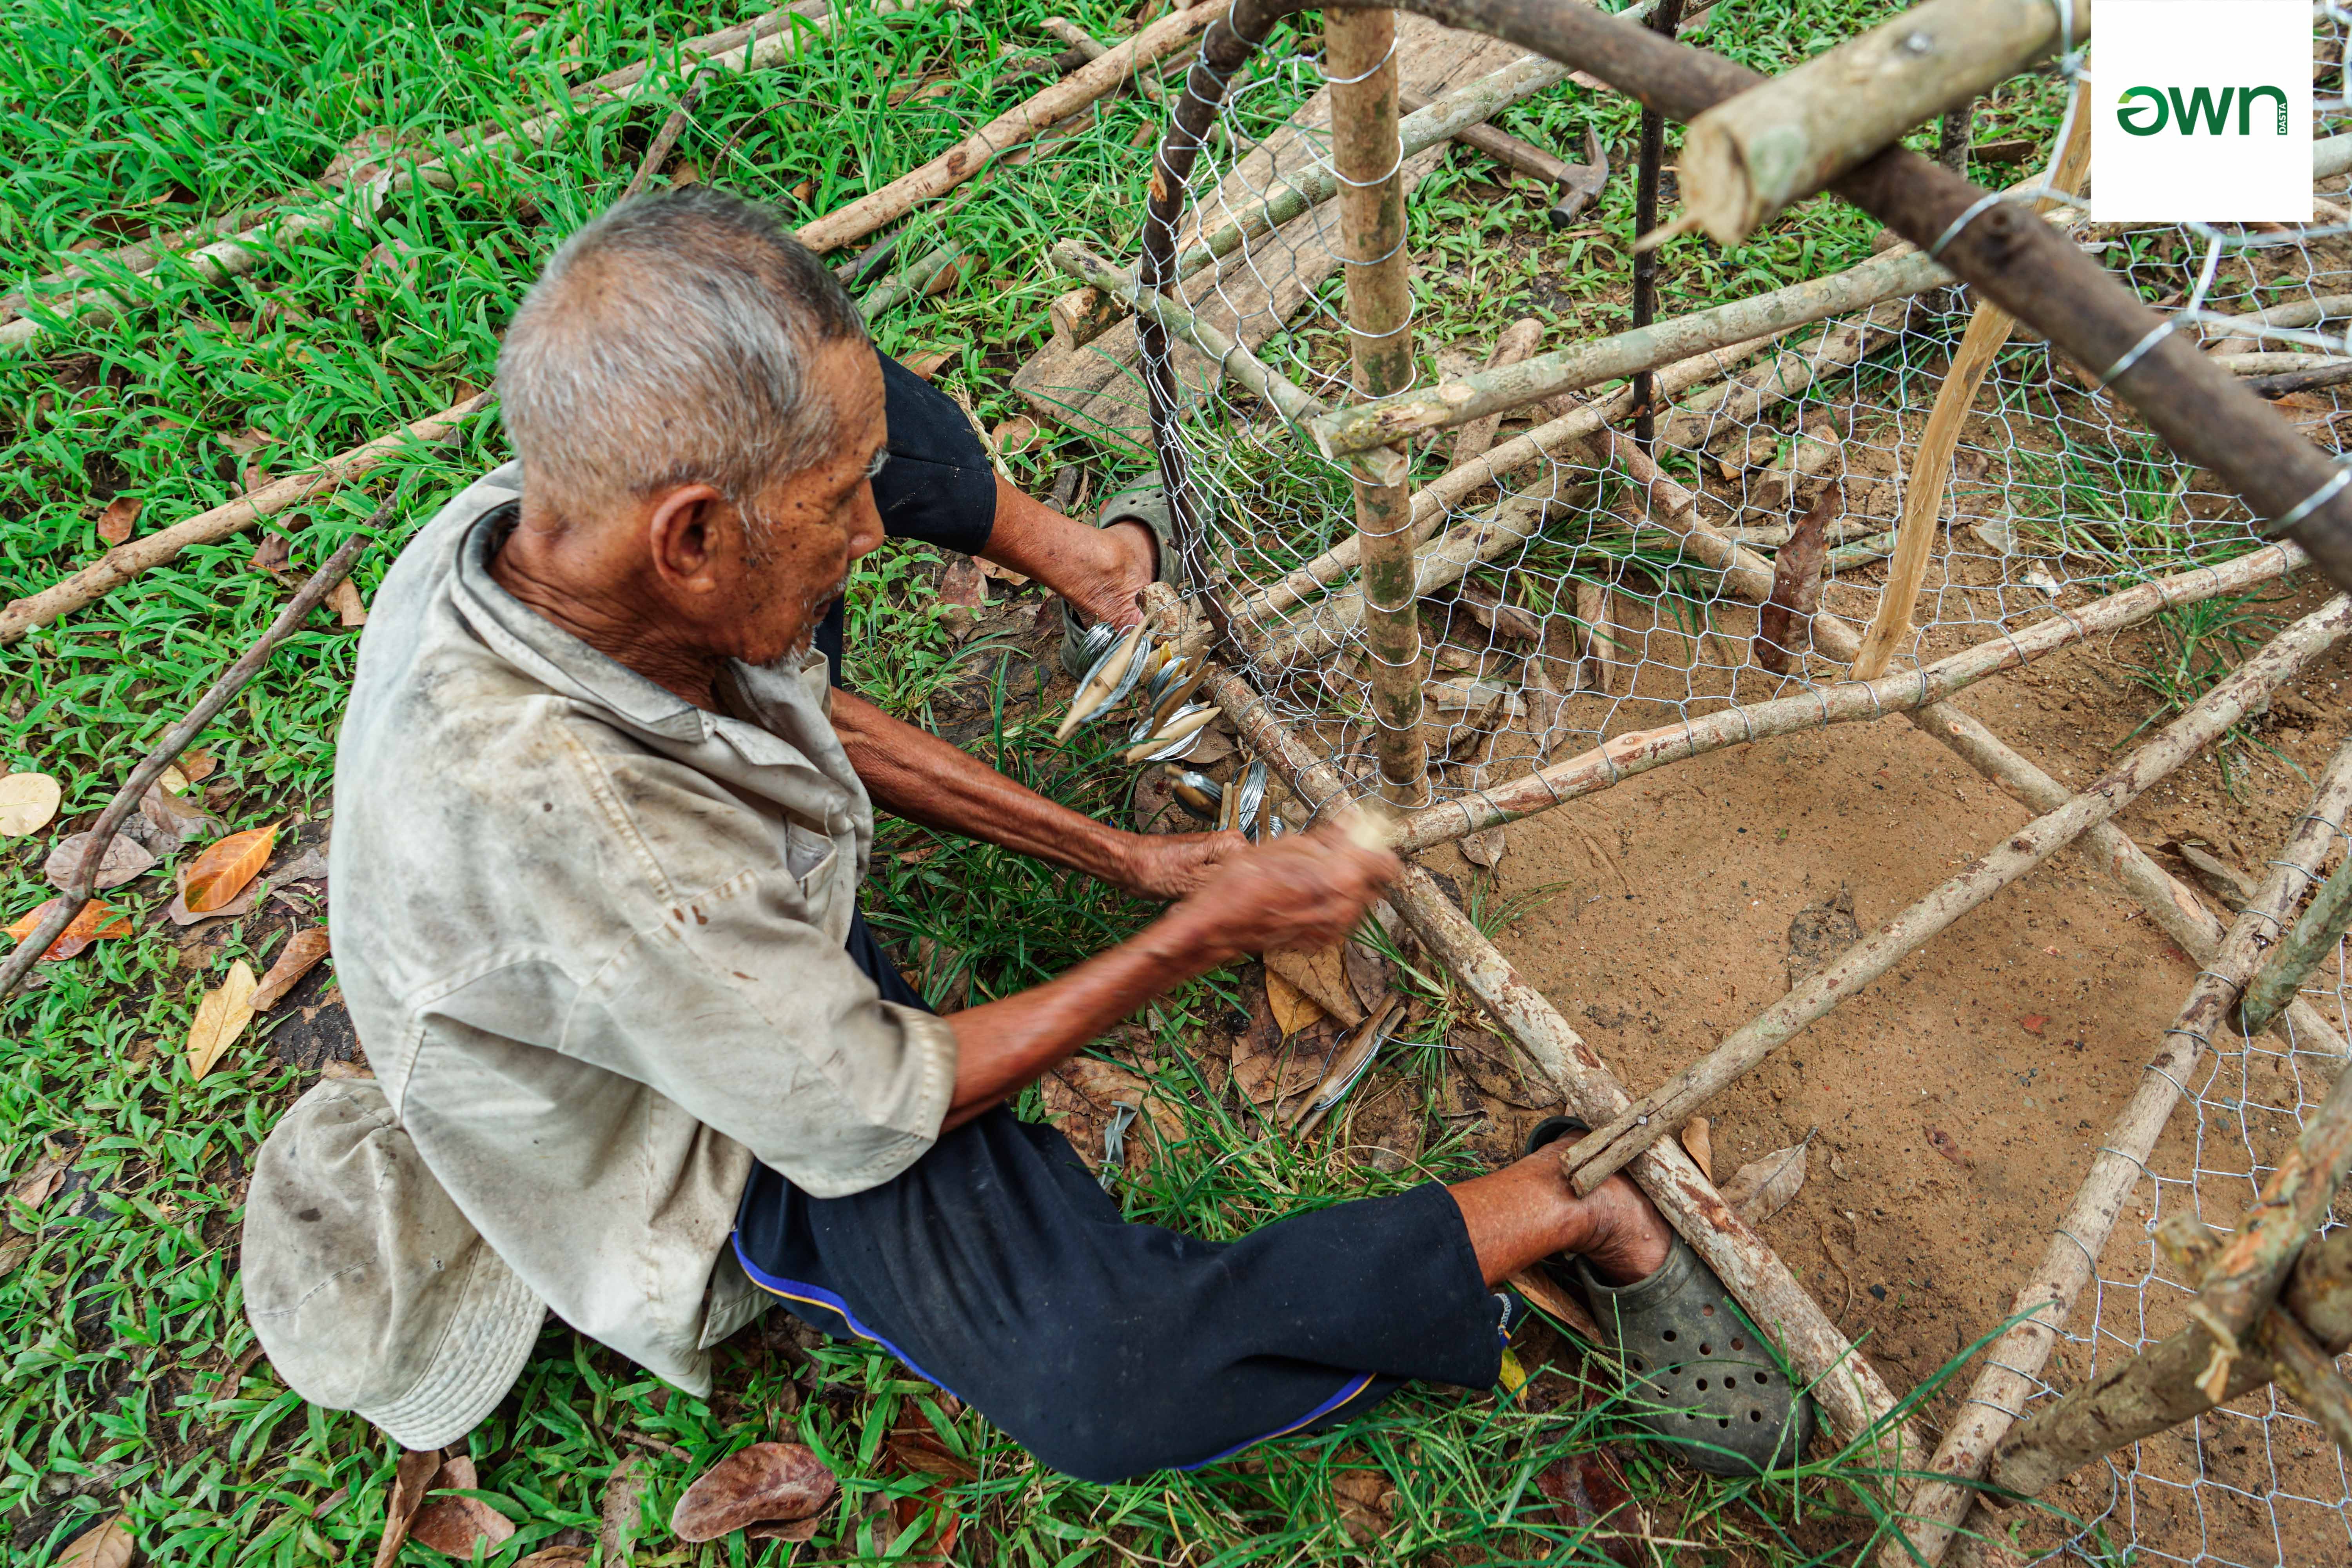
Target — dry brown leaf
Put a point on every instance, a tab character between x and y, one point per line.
454	1525
27	802
252	441
344	599
273	554
914	1445
1796	585
221	871
222	1015
1545	1294
925	365
1015	435
173	781
765	1481
1273	1070
97	920
1367	975
36	1186
1495	1067
621	1515
1698	1143
114	524
1588	1496
108	1546
125	858
1321	976
1293	1009
253	477
1083	1096
175	821
1484	848
909	1512
196	766
244	904
410	1479
555	1557
805	190
296	959
1762	1188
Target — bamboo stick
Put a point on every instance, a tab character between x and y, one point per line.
1360	51
2316	932
1659	1112
1095	79
1897	274
1857	1401
1640	751
127	559
2143	1395
1433	501
2013	1364
1749	157
1931	461
150	768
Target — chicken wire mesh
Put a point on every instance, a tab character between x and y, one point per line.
1574	610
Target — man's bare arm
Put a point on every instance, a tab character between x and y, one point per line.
1307	890
914	775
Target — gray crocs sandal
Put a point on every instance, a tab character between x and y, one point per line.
1705	1381
1146	502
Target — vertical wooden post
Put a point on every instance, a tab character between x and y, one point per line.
1931	462
1359	55
1666	20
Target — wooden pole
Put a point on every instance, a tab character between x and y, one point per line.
1650	157
1359	49
1162	311
1897	274
2013	1364
1858	1404
2316	933
127	559
1093	80
84	880
1781	141
1931	461
1638	751
1515	342
2143	1395
1659	1112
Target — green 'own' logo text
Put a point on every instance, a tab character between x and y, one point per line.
2156	109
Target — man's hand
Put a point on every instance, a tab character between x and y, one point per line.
1171	865
1304	890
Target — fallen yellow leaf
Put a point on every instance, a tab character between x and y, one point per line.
221	872
1293	1008
221	1015
1514	1376
28	801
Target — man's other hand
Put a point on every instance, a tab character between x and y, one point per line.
1171	866
1304	890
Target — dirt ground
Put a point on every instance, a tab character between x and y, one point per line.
1956	1106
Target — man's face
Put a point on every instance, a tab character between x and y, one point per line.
818	522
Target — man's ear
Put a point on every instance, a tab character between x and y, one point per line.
684	537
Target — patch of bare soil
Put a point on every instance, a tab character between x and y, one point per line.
1956	1105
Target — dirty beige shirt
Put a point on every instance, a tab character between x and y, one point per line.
591	936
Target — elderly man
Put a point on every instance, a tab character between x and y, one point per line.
600	826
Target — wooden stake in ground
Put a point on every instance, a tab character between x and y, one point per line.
2316	932
2013	1364
667	137
960	162
1931	461
1660	1111
1359	48
177	739
126	560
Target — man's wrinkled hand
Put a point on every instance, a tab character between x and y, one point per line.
1173	866
1303	890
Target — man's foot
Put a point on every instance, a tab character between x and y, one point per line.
1701	1376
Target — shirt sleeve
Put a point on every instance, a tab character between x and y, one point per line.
938	486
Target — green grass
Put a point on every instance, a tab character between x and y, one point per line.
131	1381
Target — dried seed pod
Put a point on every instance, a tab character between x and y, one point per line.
1198	794
1177	740
1111	679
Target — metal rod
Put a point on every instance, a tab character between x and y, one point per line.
1664	20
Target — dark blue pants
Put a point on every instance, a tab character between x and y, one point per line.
997	1268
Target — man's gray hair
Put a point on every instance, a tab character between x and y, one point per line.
670	343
